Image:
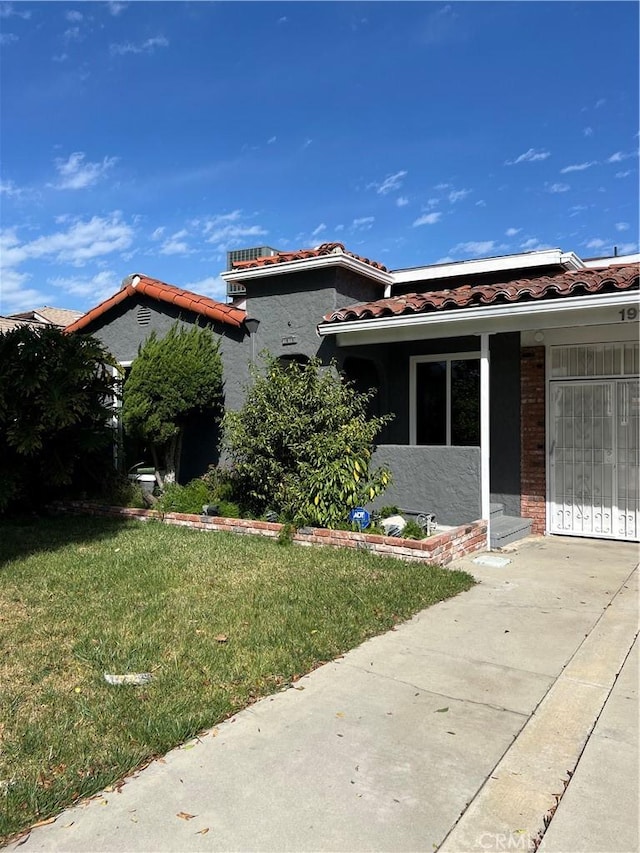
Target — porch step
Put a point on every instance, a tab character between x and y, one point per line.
496	510
507	528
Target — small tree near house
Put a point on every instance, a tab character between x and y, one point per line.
56	414
172	379
302	444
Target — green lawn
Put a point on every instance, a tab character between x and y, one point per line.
83	596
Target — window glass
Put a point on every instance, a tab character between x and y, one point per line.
465	402
431	402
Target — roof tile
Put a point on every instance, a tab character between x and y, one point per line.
303	254
154	289
574	283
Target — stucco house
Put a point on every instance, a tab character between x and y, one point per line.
514	380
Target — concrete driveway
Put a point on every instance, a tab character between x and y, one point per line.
456	731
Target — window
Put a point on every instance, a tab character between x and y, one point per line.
445	399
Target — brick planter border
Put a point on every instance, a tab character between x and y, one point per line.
440	549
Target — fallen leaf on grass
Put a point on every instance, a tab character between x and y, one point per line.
203	831
185	816
340	714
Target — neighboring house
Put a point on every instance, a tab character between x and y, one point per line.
46	316
513	380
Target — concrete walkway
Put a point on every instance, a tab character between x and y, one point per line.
456	731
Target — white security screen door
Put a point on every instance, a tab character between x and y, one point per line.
594	457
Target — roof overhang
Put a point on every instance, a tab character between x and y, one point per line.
525	260
598	309
340	259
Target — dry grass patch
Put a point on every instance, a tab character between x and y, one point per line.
219	620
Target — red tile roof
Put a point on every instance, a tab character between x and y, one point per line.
154	289
574	283
303	254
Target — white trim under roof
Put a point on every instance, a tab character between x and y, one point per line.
525	260
597	309
339	259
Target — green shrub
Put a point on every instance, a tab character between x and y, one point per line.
190	498
302	444
412	530
386	511
228	509
121	491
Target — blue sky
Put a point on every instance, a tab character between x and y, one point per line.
153	137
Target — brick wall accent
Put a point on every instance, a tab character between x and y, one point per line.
533	485
439	549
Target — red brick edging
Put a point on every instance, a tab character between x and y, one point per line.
441	548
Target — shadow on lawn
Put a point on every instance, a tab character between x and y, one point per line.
22	536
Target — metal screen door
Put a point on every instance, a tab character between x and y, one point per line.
594	458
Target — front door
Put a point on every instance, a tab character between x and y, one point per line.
594	457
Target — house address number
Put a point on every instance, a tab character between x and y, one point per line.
628	314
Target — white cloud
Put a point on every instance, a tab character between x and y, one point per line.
72	34
624	174
176	245
363	223
402	201
446	260
622	226
98	287
427	219
511	232
618	157
433	202
60	57
595	243
339	228
306	143
600	102
73	15
577	208
147	46
283	19
7	38
391	183
474	247
115	7
530	156
481	203
226	236
458	195
578	167
316	231
157	234
8	10
441	187
587	131
83	241
558	188
627	248
9	189
212	286
76	174
271	140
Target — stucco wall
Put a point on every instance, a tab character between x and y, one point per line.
442	480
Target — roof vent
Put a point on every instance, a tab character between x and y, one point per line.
143	315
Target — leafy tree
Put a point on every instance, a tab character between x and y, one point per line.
56	408
302	443
171	379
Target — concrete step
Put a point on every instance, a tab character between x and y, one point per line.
507	528
496	509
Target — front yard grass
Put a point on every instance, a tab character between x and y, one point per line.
219	620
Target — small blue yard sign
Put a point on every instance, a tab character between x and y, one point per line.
360	516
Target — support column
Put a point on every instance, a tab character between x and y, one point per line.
485	435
